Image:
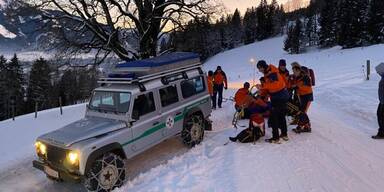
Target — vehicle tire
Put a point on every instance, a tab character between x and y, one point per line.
193	130
106	173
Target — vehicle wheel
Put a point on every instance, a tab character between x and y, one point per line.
106	173
193	130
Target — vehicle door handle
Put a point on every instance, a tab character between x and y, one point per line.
156	123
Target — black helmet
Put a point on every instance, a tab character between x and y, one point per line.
210	73
262	64
282	62
247	85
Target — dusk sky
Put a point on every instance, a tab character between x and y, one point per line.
242	5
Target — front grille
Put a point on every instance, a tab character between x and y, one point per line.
56	155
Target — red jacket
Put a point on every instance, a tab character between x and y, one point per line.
220	78
241	96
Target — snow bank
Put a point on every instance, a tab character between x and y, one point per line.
17	137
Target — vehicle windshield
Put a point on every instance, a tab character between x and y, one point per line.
110	101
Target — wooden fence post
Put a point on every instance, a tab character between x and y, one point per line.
61	107
368	69
36	109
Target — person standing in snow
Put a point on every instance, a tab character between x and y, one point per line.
380	109
275	86
284	71
211	91
303	88
219	83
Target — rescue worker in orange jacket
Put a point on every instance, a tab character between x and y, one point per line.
241	96
303	86
242	99
211	91
220	83
258	109
275	86
284	72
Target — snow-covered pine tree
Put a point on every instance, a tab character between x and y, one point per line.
250	24
328	25
3	88
293	43
39	85
376	21
262	11
236	28
352	20
15	82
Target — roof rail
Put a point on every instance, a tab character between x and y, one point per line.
149	77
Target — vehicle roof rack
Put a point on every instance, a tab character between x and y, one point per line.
154	68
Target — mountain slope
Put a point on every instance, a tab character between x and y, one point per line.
337	156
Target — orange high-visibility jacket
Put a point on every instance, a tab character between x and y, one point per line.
210	84
303	84
274	82
285	75
220	78
241	96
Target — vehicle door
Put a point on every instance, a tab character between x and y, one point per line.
147	127
171	109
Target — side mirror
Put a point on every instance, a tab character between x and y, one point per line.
135	115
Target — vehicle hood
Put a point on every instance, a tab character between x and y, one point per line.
83	129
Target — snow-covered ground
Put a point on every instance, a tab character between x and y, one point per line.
337	156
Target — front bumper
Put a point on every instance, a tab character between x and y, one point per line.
62	174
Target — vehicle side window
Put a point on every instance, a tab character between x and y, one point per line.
168	95
144	104
192	86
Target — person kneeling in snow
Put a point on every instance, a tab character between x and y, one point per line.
380	109
242	99
258	109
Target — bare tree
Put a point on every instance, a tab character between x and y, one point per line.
105	26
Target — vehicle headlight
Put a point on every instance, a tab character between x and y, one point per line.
41	148
73	157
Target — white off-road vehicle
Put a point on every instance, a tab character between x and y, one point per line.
136	107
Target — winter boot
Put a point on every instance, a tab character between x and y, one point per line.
297	130
284	137
233	139
378	136
294	121
272	140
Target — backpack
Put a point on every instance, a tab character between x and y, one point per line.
312	75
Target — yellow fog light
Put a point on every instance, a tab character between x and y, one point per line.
73	157
41	149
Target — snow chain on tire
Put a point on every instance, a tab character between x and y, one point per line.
193	130
106	173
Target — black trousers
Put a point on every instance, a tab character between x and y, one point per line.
380	119
277	118
213	99
218	90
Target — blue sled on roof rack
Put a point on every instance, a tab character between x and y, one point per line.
163	63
